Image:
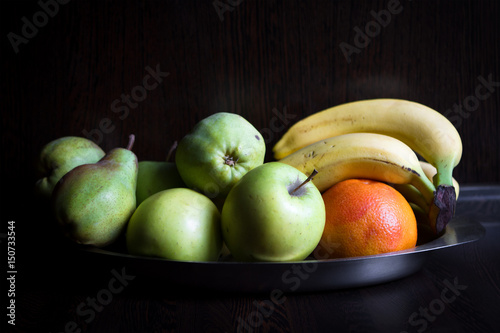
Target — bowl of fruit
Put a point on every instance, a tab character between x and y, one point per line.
345	202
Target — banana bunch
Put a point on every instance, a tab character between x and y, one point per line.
418	203
379	139
413	195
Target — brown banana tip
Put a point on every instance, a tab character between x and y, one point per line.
443	207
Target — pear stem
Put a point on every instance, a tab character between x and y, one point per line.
172	148
311	176
131	140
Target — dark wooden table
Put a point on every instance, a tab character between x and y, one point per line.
457	290
105	69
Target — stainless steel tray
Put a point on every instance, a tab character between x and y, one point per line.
308	275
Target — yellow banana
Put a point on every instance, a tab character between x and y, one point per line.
361	155
425	130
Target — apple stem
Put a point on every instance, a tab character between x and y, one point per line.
131	140
172	148
311	176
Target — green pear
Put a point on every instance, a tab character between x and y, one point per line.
93	202
156	176
60	156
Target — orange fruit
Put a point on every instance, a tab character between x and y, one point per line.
365	217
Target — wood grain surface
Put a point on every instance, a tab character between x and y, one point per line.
106	69
277	55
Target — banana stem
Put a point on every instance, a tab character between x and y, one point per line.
444	175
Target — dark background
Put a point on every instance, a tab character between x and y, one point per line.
282	55
254	58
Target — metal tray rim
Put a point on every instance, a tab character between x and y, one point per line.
459	231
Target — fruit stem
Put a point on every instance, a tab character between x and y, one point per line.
172	148
131	140
311	176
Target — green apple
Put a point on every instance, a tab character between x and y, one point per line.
176	224
156	176
218	151
274	213
60	156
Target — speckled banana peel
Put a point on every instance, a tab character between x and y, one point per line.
371	156
423	129
361	155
